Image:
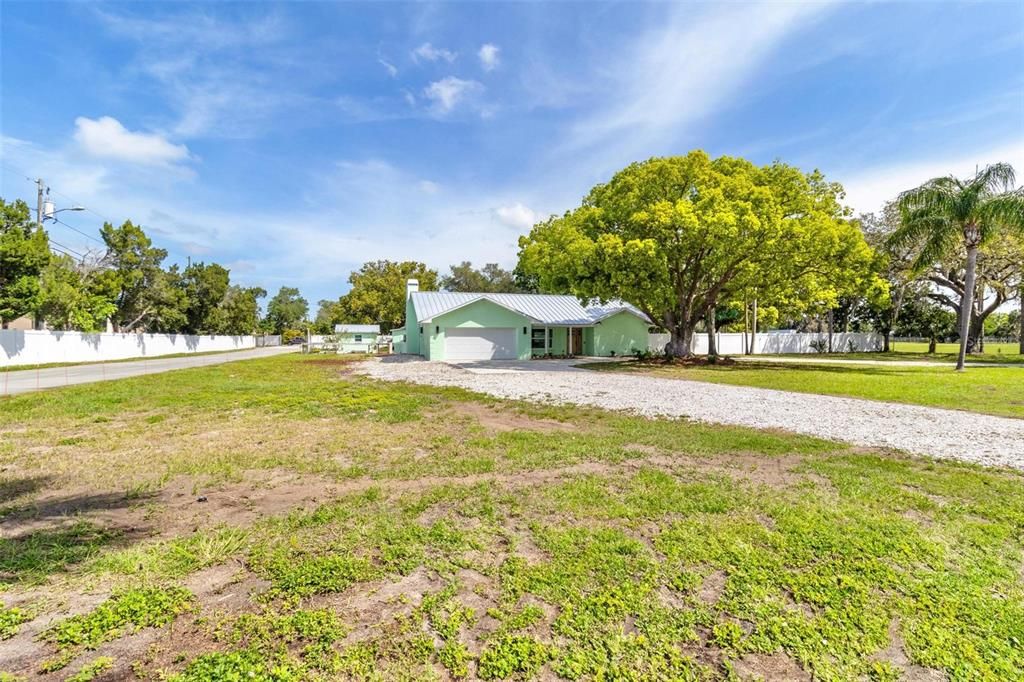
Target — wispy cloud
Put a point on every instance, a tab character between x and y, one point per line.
448	92
429	53
223	78
105	137
682	72
488	55
869	188
391	68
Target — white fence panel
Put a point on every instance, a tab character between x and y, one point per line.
41	347
775	342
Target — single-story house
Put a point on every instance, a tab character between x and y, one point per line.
357	338
462	327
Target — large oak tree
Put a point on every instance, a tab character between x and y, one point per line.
678	236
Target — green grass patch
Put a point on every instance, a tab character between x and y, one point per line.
440	546
125	611
989	390
91	670
11	620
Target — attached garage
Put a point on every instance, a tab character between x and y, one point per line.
477	343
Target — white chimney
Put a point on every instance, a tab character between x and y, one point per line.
411	285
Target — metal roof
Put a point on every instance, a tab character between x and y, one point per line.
357	329
548	309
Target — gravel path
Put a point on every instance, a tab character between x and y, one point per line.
950	434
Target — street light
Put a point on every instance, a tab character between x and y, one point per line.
49	211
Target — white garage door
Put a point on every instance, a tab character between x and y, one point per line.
479	344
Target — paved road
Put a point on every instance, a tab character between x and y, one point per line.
978	438
25	381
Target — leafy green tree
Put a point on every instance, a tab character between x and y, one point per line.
76	296
327	315
680	236
922	318
378	292
949	215
24	253
167	303
490	279
148	298
896	267
205	287
286	310
239	310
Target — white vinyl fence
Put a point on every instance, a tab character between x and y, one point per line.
31	347
767	343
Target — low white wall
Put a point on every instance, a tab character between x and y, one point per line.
31	347
768	343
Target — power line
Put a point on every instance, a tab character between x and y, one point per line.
68	248
22	173
72	227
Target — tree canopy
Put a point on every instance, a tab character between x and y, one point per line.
679	236
949	216
77	295
286	310
491	278
24	253
378	293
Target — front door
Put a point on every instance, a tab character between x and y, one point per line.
576	341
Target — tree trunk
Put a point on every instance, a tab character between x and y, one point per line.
746	328
932	343
712	341
967	305
753	331
831	323
1020	331
680	344
886	340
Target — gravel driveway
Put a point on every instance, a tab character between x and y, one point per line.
948	434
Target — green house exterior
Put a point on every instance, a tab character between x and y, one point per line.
463	327
356	338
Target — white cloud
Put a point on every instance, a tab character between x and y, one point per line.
448	92
517	216
869	188
221	78
428	186
681	72
391	68
428	52
488	55
107	138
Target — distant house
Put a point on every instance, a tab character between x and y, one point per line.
459	327
357	338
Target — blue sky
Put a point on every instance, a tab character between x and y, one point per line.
292	142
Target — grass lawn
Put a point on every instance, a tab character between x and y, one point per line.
996	353
284	519
989	390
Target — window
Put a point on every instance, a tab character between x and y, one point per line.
537	340
359	338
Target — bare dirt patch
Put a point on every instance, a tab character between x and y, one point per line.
713	587
896	654
774	667
188	504
498	420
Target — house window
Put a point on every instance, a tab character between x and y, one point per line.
537	339
359	338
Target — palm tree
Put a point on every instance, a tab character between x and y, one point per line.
945	215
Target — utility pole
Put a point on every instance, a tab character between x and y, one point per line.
40	187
